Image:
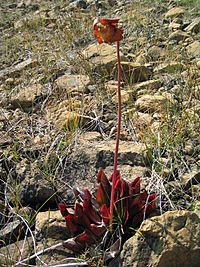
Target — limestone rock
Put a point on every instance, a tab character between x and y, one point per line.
174	26
16	69
178	36
141	120
67	115
191	178
102	57
51	230
171	67
33	187
27	97
88	157
111	86
10	232
50	224
174	12
150	85
133	73
72	83
194	26
152	103
156	52
124	95
194	49
17	251
68	120
172	239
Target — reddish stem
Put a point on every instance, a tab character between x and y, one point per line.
117	139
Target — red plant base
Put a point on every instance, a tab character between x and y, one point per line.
87	225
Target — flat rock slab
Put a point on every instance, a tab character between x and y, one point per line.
27	97
172	239
102	58
13	71
153	103
72	83
15	252
88	157
175	12
51	230
193	49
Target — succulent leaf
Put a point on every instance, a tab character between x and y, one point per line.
131	207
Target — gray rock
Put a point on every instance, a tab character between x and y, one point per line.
191	178
156	52
88	157
172	239
15	230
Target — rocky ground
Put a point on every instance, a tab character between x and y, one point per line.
58	118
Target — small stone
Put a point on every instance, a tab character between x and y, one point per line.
10	81
152	103
174	26
102	58
111	86
26	98
15	70
125	97
194	49
133	73
156	52
170	68
141	119
194	26
191	178
10	232
72	83
50	230
178	36
141	59
150	85
175	12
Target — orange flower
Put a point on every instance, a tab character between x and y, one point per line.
106	30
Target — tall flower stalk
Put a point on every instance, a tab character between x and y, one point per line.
117	137
106	31
117	198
